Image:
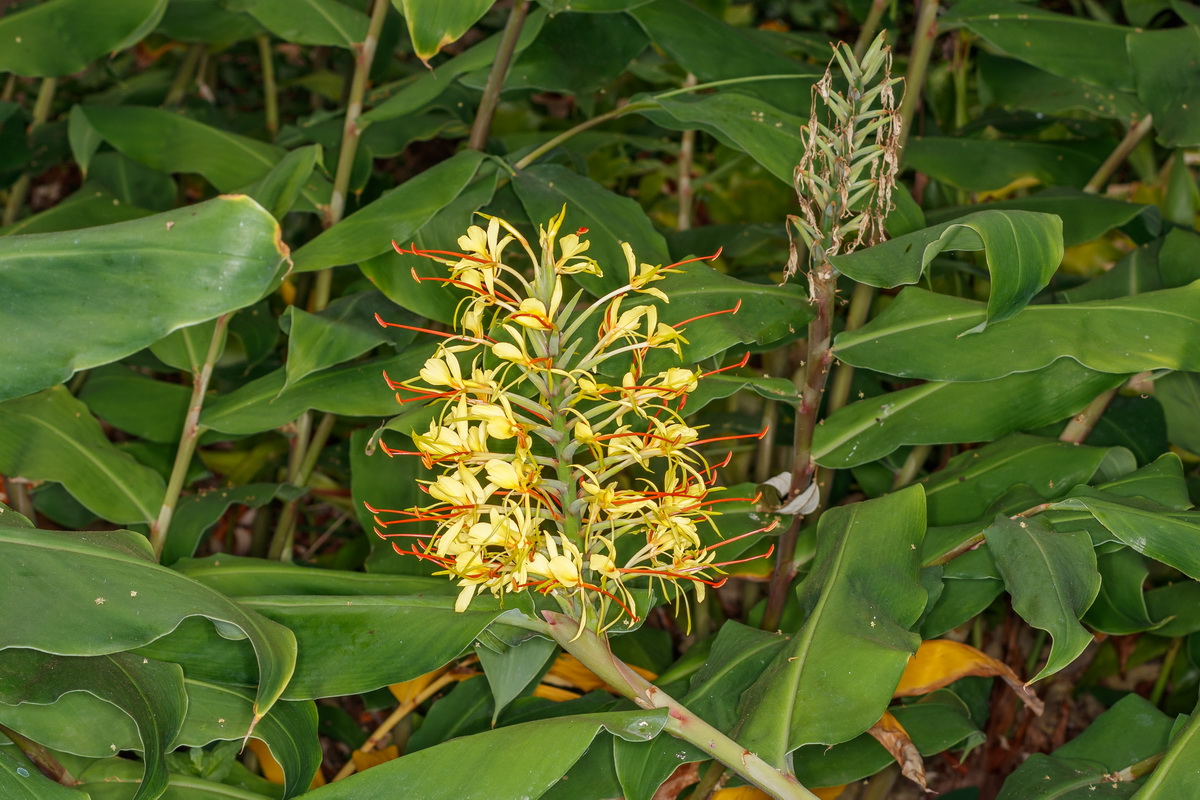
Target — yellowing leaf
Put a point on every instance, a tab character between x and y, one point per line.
568	673
271	768
891	734
940	662
1024	182
376	757
741	793
829	792
555	693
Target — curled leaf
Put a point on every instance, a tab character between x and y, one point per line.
891	734
940	662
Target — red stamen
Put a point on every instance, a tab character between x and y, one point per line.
767	554
745	360
733	310
758	435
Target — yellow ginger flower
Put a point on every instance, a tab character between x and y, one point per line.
535	458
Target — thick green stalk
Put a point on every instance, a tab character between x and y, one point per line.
191	435
185	74
1081	425
495	82
270	90
918	62
594	653
20	188
41	757
1164	672
1121	152
870	25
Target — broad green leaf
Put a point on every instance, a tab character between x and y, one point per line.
1136	272
313	22
1014	84
1161	533
467	710
1166	75
345	330
89	207
396	215
238	576
739	655
918	336
1120	606
196	513
1175	776
209	21
115	779
932	413
151	693
118	598
1084	216
836	675
21	780
130	401
433	24
978	165
1052	578
551	63
609	217
60	37
936	723
510	671
83	298
1135	423
713	50
1179	394
959	602
132	182
769	136
51	436
970	482
439	771
1097	51
1023	250
416	93
1044	777
392	272
82	137
279	189
355	390
169	142
717	387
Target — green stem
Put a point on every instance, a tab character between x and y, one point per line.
185	74
912	465
870	25
187	442
709	781
20	498
687	150
20	188
1121	152
1081	425
41	758
843	377
1182	748
594	653
270	89
499	72
10	87
918	62
1164	673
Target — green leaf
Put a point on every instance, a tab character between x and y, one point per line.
1166	75
345	330
21	780
51	436
60	37
836	675
196	513
467	710
919	336
1120	607
1175	776
1052	578
354	390
1044	777
1097	51
133	183
609	217
238	576
392	272
769	136
151	693
977	165
1179	394
1013	84
1084	216
91	206
279	189
118	598
313	22
1023	250
1152	530
932	413
433	24
396	215
187	348
439	771
127	400
133	281
739	655
970	482
208	21
510	671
